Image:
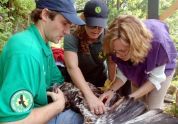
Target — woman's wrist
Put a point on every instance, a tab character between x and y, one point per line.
114	87
112	90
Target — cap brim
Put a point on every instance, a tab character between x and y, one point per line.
100	22
73	18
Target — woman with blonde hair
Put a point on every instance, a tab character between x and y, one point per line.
144	54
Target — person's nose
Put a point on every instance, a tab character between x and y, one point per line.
67	31
117	55
99	28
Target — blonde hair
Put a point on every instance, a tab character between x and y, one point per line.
132	31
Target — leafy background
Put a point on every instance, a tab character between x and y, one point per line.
14	14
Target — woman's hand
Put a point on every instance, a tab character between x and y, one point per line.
96	105
106	97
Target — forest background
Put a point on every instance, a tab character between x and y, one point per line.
14	14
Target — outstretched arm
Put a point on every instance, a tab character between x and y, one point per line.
111	69
107	96
71	61
156	76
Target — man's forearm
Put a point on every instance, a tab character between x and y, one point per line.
41	115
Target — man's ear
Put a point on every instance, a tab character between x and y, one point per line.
44	14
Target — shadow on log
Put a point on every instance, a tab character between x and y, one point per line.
155	116
122	111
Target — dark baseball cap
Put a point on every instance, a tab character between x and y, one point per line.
96	13
64	7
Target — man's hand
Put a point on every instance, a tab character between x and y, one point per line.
57	96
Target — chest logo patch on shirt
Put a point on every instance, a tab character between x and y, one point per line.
21	101
101	55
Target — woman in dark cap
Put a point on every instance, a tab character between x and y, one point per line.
83	53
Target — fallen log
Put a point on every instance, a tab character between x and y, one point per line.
153	117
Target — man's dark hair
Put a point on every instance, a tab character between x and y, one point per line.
36	15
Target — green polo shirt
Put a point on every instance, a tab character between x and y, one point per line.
27	69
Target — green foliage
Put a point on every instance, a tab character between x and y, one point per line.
172	20
24	7
14	16
6	22
79	4
4	1
172	109
127	7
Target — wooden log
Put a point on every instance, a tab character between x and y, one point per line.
153	117
143	116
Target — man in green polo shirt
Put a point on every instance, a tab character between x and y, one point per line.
27	68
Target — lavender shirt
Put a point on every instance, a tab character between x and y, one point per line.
162	52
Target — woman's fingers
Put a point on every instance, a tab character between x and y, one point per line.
108	101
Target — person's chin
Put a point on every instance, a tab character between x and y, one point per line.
59	38
56	41
94	38
124	59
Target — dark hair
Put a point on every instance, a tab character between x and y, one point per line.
81	34
36	15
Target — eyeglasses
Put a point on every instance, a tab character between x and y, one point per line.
95	27
120	52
